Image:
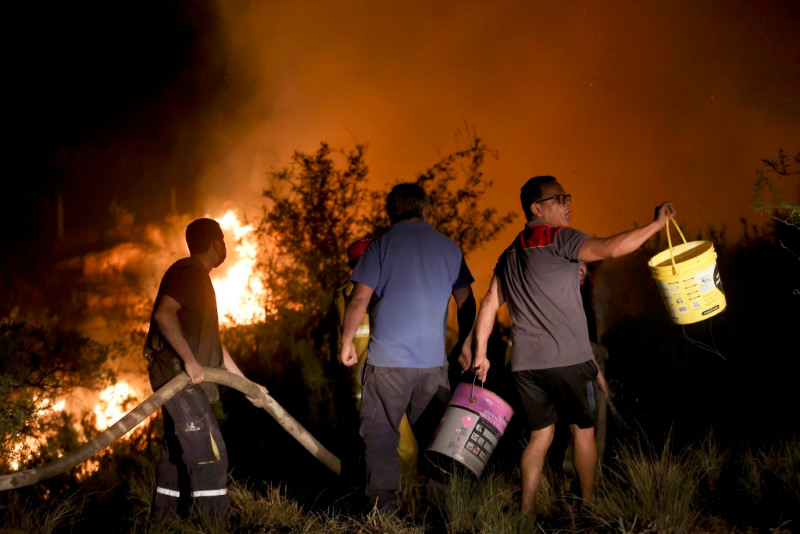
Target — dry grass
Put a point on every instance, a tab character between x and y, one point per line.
271	512
709	459
33	516
644	489
648	490
486	506
771	478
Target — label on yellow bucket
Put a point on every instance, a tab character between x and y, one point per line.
694	291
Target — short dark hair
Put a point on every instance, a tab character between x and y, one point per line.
201	233
406	201
532	191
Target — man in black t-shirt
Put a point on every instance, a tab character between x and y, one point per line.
184	335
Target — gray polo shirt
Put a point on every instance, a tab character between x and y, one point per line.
538	277
413	270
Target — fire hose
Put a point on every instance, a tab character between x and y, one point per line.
150	405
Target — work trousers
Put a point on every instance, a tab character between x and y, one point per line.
388	393
194	461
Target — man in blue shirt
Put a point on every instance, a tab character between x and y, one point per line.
405	278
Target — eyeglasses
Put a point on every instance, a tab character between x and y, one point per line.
561	199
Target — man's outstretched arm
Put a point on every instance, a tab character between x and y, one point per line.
625	242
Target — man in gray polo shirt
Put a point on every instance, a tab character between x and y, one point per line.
406	278
551	356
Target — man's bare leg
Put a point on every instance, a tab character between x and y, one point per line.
584	458
532	464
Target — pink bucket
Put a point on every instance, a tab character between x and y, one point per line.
470	428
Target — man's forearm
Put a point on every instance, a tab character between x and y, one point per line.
466	318
626	242
353	316
483	326
231	367
618	245
486	316
229	364
170	327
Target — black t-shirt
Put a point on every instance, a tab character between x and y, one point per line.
188	283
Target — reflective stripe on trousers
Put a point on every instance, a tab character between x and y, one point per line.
201	493
194	459
210	493
168	492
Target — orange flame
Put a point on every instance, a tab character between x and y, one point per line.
242	298
113	404
26	447
241	295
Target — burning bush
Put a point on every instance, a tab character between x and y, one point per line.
41	365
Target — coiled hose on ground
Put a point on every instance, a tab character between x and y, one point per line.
154	402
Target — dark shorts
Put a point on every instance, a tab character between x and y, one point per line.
561	394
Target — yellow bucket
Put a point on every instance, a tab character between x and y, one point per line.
688	278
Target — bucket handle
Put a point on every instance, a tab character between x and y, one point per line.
669	241
472	397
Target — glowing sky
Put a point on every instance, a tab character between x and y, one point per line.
628	103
